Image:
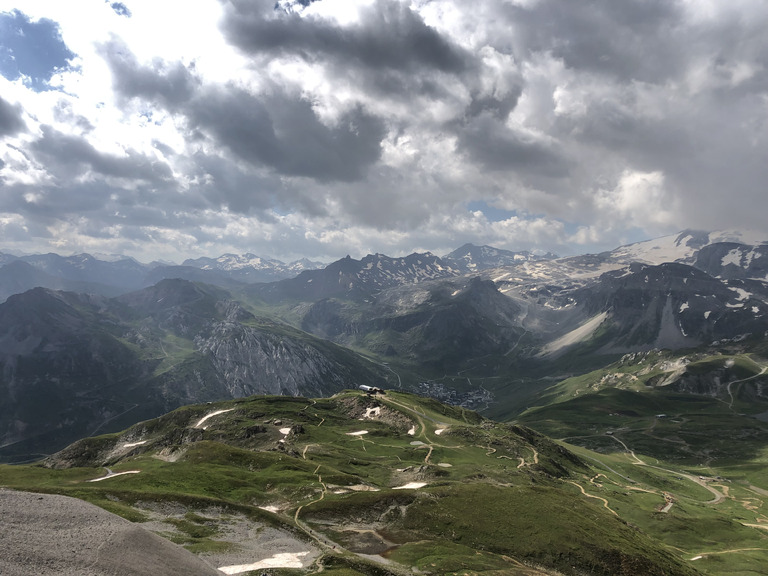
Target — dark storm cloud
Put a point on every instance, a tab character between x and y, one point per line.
499	107
34	50
72	156
629	39
655	86
389	36
97	210
284	133
393	85
389	54
11	121
497	147
64	113
98	204
239	189
651	141
168	85
48	203
224	184
278	130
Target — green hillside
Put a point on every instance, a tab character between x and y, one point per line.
688	432
393	484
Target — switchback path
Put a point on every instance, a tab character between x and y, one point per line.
585	493
399	380
317	537
730	391
718	496
705	554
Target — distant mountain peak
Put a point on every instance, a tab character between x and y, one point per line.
473	258
682	246
361	278
250	268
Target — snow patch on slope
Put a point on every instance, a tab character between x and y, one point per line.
580	334
742	294
684	247
208	416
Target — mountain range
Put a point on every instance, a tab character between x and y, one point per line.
111	276
221	408
479	327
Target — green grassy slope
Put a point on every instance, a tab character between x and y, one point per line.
697	459
408	480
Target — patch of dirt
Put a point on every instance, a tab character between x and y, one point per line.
372	514
353	488
363	541
421	473
170	454
369	408
251	541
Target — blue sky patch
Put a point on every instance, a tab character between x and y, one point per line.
32	50
493	214
120	9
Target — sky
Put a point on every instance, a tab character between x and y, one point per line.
320	128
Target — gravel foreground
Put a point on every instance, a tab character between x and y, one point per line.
47	535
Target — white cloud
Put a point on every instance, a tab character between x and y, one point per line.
346	127
639	200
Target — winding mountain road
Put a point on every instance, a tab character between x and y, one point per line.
718	496
730	391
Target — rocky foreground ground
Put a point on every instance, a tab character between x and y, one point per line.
47	535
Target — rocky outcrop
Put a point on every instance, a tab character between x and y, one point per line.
249	361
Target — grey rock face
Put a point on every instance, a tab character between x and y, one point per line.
249	361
